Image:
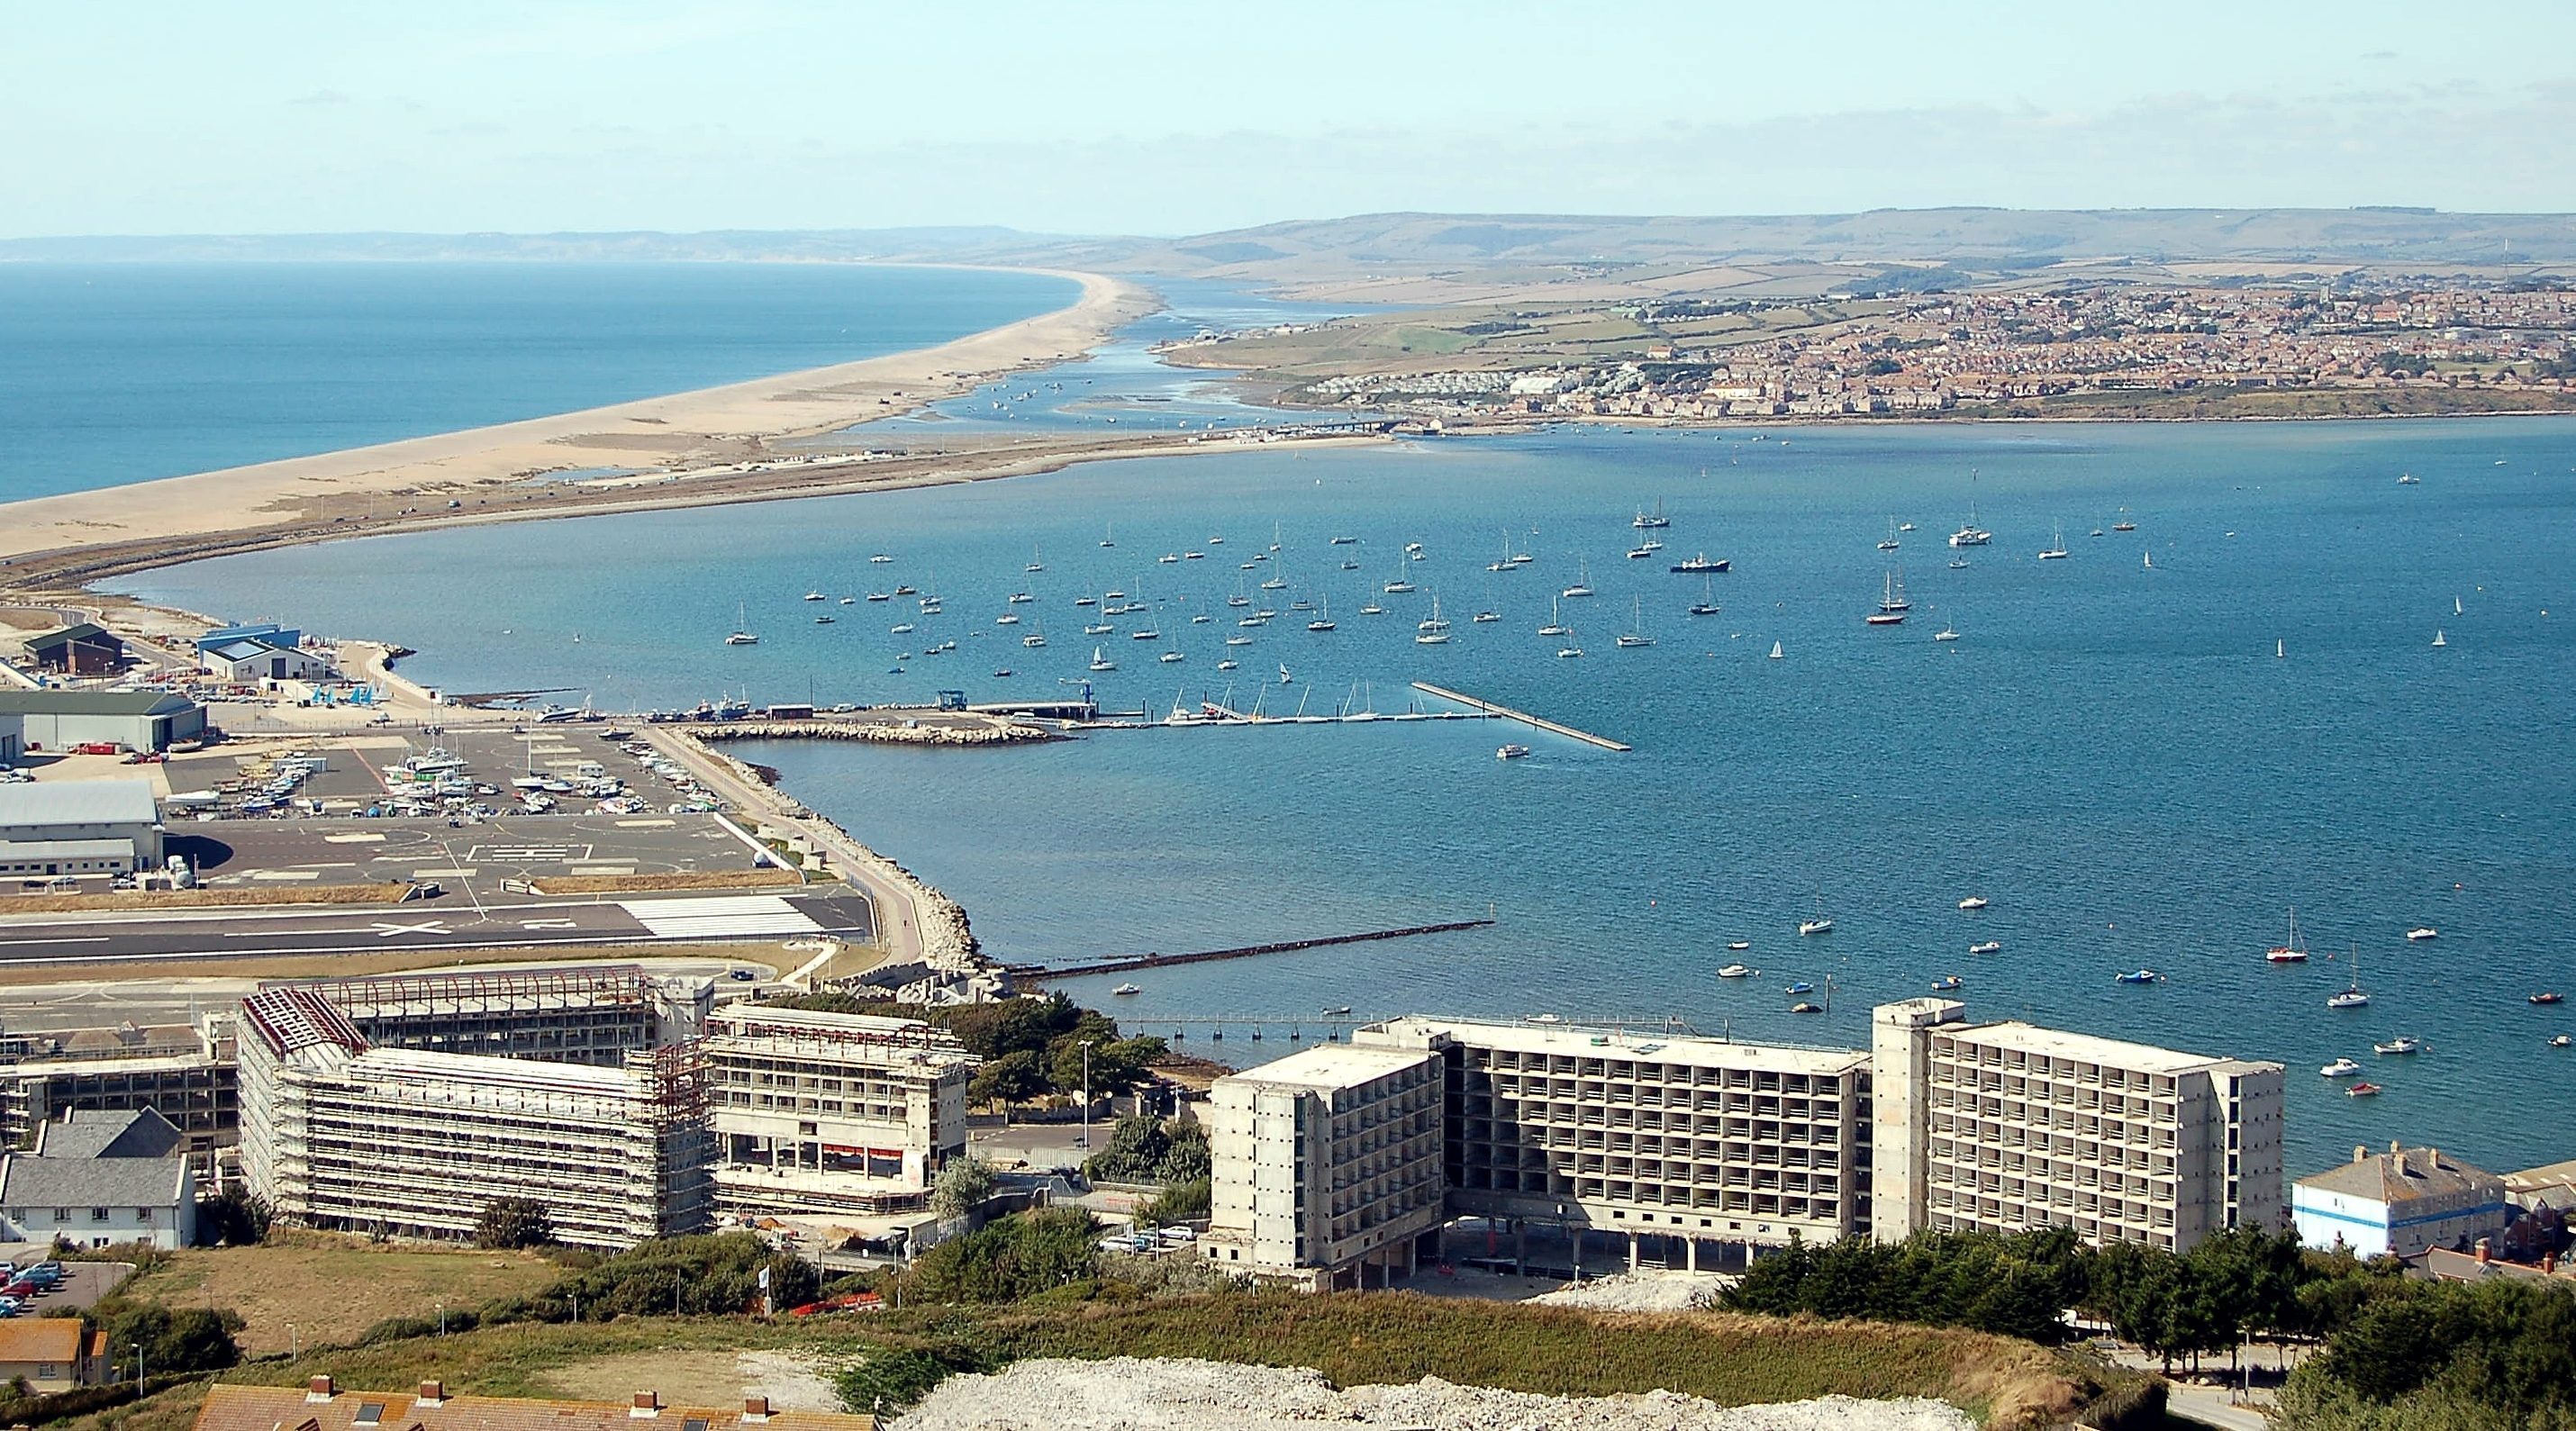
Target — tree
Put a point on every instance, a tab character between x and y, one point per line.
233	1217
1013	1076
172	1339
1179	1202
963	1186
1009	1259
514	1222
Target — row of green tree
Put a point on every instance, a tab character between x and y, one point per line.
1031	1046
2398	1352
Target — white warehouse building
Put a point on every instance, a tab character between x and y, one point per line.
1328	1164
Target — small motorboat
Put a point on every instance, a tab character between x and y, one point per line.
1974	901
1989	946
1739	944
2420	935
1818	925
2550	997
1336	1011
1800	987
1001	672
1946	984
2403	1043
1511	752
2340	1068
2561	1041
1127	989
1735	971
1805	1009
2138	976
2363	1089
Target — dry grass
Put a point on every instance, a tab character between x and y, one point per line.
329	1289
765	877
386	893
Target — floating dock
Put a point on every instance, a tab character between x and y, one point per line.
1040	972
1524	717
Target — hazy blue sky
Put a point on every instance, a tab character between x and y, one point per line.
1172	118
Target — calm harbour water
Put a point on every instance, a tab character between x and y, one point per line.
115	373
2112	753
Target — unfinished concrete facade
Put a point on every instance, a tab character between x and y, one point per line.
826	1112
340	1134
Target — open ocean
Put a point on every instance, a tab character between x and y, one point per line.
2112	753
122	372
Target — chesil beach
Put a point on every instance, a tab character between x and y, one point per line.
2142	755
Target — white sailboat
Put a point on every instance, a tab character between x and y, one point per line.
1555	620
1635	636
2147	560
1776	652
1582	580
1969	533
1821	924
2352	997
1100	660
742	632
2438	638
2056	544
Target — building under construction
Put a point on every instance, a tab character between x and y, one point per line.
380	1120
820	1113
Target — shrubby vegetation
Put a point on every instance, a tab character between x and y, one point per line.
173	1339
1031	1046
1009	1260
2400	1354
509	1223
1146	1149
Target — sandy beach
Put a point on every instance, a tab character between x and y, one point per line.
470	474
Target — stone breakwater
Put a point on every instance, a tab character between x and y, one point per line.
947	940
948	730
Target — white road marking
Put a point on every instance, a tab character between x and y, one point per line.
549	924
285	874
646	824
463	872
719	915
354	837
64	939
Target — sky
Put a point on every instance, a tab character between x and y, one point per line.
1177	118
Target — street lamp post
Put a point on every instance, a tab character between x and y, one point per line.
1084	1141
442	1319
138	1366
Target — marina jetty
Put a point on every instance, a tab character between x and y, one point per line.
1507	713
882	728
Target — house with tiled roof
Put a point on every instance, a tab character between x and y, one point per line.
321	1405
101	1177
2401	1203
50	1353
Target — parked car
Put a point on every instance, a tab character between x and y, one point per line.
22	1288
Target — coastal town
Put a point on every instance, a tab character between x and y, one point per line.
797	1041
801	717
2102	350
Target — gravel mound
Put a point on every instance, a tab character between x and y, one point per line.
1136	1394
1640	1292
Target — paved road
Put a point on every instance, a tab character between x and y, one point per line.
448	923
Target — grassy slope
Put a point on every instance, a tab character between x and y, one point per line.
329	1290
1352	1338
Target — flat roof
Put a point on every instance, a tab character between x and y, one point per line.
2547	1175
420	1065
1333	1065
2089	1048
77	802
1576	1040
15	851
100	703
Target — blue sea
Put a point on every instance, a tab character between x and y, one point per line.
115	373
2141	766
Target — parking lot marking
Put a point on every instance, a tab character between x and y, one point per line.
462	872
646	824
285	874
548	924
530	854
719	915
599	869
354	837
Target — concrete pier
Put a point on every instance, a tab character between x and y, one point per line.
1524	717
